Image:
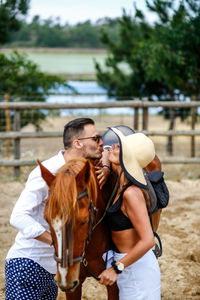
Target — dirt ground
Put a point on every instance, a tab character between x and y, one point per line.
179	227
179	230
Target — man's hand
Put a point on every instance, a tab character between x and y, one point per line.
45	237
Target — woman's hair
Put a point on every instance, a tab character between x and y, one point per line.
147	198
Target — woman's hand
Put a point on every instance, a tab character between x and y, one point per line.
105	158
108	276
102	175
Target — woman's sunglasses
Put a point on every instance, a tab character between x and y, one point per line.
95	138
107	147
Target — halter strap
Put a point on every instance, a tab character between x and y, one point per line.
67	236
83	194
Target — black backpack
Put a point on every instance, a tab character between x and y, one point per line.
158	190
159	195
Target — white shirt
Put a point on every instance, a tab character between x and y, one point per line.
28	217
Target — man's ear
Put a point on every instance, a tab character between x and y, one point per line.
46	174
77	144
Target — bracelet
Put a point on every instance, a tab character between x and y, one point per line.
105	166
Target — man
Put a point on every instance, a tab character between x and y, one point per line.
30	266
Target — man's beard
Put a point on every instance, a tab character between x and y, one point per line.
88	154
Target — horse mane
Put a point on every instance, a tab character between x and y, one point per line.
62	201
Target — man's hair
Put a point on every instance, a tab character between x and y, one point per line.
73	129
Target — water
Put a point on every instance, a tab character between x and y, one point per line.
89	87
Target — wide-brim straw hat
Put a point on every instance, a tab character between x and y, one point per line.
109	138
136	152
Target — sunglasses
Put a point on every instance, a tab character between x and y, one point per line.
107	147
95	138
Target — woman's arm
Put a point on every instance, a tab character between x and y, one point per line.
103	169
134	205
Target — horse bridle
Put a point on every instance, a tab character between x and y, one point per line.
67	236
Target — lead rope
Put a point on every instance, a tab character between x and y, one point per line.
108	204
85	262
158	248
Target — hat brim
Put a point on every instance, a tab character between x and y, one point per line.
135	174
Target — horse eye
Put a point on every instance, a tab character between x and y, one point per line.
84	222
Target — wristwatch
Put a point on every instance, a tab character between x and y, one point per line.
118	266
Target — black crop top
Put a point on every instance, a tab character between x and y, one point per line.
115	218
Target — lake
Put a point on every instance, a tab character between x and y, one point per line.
95	94
89	87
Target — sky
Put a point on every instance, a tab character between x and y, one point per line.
74	11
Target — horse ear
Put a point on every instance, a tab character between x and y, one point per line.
155	165
46	174
84	173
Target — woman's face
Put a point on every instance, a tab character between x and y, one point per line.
114	154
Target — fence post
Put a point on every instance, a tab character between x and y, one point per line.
8	127
145	116
17	126
136	118
193	121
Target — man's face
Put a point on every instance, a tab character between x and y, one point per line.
91	149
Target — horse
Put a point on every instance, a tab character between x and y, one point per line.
93	262
70	212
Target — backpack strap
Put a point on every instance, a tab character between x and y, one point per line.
158	247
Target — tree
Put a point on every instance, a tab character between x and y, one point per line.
11	12
128	50
162	59
22	80
38	33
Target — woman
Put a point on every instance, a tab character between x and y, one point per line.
132	263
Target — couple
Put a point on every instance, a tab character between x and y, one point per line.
133	265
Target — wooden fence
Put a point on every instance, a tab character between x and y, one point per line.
136	104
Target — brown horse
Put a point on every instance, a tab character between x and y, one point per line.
70	212
93	262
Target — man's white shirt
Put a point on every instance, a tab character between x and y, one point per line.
28	218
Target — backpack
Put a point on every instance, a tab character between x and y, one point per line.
159	196
159	192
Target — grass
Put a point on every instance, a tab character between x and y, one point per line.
73	64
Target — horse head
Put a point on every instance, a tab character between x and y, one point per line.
71	214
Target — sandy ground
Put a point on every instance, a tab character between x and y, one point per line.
179	230
180	222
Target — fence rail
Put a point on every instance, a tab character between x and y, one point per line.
166	160
27	135
136	104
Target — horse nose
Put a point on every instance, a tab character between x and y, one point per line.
75	284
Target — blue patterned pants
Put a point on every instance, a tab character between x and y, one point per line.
27	280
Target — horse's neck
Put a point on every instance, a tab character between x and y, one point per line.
106	192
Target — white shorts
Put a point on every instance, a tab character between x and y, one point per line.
139	281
